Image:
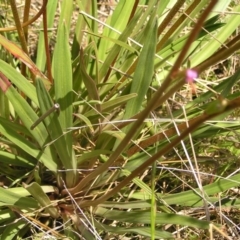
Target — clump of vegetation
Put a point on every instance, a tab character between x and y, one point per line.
127	129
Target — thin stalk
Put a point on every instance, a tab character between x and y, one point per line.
26	17
47	51
55	107
19	26
174	10
134	9
9	29
25	29
21	33
153	202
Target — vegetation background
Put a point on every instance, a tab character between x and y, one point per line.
119	120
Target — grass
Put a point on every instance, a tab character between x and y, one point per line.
138	149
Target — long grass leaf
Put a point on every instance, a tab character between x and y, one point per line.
144	217
22	56
41	197
63	82
118	22
44	156
144	71
210	47
13	230
19	81
9	198
55	131
9	158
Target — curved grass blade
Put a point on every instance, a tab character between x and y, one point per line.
211	46
41	55
22	56
9	198
143	217
111	104
63	83
118	22
41	197
56	133
144	71
28	117
13	231
9	158
143	231
44	156
19	81
89	82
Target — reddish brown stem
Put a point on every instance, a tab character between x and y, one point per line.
47	51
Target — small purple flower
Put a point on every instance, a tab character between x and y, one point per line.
190	75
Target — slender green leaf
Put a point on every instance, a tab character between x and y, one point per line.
26	113
63	82
89	82
144	71
145	217
9	158
209	47
41	56
9	198
66	14
193	198
19	81
120	45
41	197
55	131
111	104
12	230
22	56
118	22
144	231
27	146
6	215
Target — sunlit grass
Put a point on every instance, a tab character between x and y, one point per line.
100	168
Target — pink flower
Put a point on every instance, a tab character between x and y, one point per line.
190	75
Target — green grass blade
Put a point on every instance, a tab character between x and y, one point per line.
9	158
41	55
19	81
140	217
55	131
144	231
119	45
27	146
22	56
144	71
118	22
111	104
9	198
26	113
211	46
192	198
28	117
63	82
66	14
88	81
6	215
41	197
13	231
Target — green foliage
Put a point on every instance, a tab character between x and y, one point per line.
84	171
